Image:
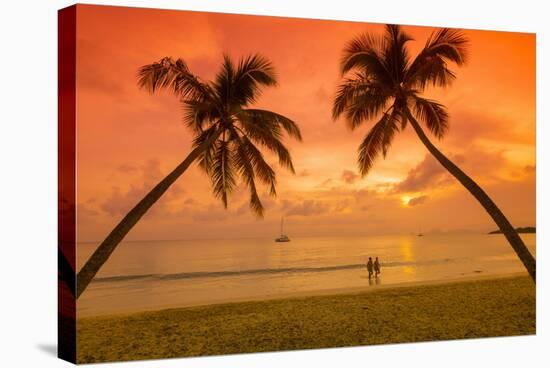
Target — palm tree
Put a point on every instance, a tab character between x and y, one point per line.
381	81
227	135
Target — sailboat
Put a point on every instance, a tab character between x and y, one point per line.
283	238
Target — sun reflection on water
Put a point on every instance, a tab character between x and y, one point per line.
406	248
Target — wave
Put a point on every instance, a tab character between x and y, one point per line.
263	271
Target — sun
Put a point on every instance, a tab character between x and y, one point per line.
405	200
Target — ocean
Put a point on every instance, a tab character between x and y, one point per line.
152	275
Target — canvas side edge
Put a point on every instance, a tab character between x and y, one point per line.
67	184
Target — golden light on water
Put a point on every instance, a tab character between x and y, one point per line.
406	248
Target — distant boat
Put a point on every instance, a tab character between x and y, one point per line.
420	233
283	238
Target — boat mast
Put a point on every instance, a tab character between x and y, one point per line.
282	225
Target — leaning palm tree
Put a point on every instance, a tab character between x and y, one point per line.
227	135
381	81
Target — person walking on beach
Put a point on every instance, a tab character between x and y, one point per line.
376	267
369	267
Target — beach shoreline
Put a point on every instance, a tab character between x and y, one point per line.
482	306
308	293
357	290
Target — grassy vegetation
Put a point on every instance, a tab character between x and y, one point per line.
483	308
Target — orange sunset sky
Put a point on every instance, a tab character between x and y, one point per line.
128	140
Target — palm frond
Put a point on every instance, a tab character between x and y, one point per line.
207	156
393	121
366	105
159	74
188	86
395	53
347	90
360	99
252	73
433	114
222	171
434	71
259	131
272	118
431	64
450	44
268	134
377	141
365	53
224	81
175	75
198	114
255	203
243	163
262	169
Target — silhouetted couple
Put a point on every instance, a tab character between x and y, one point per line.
373	266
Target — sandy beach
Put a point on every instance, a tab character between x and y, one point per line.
481	307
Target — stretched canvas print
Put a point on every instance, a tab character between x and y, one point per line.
238	184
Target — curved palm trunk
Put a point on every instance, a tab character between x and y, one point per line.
507	229
104	251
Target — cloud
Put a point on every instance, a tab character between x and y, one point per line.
305	208
244	207
341	206
84	209
468	127
127	168
480	162
151	170
349	176
304	173
211	213
216	211
530	169
190	201
326	183
476	162
428	173
322	94
121	201
417	200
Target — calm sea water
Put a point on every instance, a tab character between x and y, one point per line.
153	275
